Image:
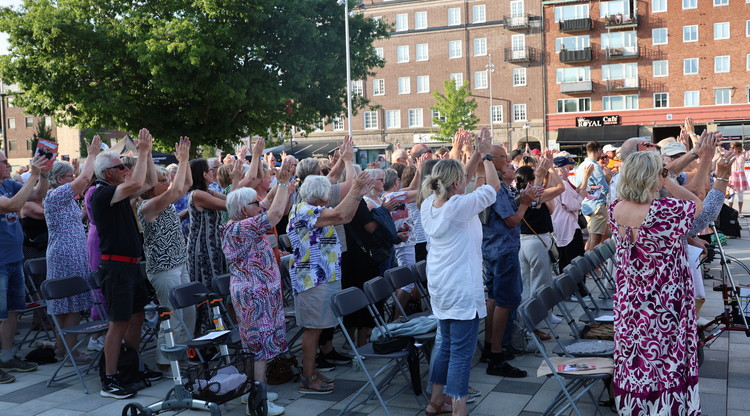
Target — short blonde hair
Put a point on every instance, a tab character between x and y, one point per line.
224	175
640	177
440	181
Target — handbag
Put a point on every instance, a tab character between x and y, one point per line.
391	345
552	251
582	221
282	368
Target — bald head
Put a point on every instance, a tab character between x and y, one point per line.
419	150
499	156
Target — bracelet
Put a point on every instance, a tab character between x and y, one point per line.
45	177
357	198
283	185
722	179
694	153
480	177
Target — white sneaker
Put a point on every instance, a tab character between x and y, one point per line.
96	344
273	409
270	396
554	319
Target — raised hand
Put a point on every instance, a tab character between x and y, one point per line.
242	155
182	150
95	146
484	145
76	164
347	149
724	164
145	142
363	184
542	168
258	147
285	172
689	125
37	164
236	173
527	196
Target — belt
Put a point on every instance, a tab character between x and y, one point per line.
121	259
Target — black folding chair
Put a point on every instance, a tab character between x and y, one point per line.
36	305
590	313
588	267
404	276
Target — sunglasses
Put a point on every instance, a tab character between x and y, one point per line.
253	203
648	144
120	167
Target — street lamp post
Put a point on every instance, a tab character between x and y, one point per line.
345	3
491	68
3	121
527	127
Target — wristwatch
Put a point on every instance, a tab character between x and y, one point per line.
488	157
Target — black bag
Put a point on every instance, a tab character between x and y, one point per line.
395	344
582	221
129	369
390	345
728	223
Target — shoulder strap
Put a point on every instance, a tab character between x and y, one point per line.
532	230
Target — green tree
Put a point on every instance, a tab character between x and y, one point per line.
214	70
456	110
42	132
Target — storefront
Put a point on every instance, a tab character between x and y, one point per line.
603	129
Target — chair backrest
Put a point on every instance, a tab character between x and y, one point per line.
610	243
400	277
348	301
532	312
420	268
377	289
220	284
36	266
64	287
573	271
582	264
286	263
593	259
285	243
565	284
187	295
548	296
602	250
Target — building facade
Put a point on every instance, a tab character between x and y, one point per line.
625	68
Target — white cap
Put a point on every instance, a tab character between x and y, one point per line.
609	148
566	154
673	148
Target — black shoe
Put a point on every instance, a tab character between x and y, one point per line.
323	365
152	375
505	370
111	387
514	350
334	357
486	356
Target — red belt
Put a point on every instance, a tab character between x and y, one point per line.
121	259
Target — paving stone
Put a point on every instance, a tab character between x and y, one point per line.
34	391
518	387
713	404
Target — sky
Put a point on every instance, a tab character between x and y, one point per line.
3	36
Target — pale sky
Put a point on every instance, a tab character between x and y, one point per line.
3	36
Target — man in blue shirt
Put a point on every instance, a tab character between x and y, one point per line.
12	290
594	205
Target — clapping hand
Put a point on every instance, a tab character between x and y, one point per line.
95	146
483	142
182	150
724	164
144	142
37	164
363	184
258	147
285	172
242	155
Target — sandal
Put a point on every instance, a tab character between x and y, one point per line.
306	387
542	335
324	379
441	409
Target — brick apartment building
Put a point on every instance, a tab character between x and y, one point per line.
625	68
437	40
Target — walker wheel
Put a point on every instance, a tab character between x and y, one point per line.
257	403
134	409
701	354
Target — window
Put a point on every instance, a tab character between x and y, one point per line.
338	123
692	98
480	80
454	49
422	52
29	122
747	28
11	123
576	11
28	145
609	8
423	83
721	3
459	78
619	39
518	42
519	112
371	120
402	22
420	20
722	96
480	47
689	4
747	65
661	100
48	121
516	9
690	33
358	88
479	14
573	105
454	16
659	6
10	102
404	85
402	53
497	113
573	74
620	102
415	117
721	64
661	68
436	116
620	71
393	119
659	36
380	53
519	77
690	66
721	30
573	43
12	145
378	87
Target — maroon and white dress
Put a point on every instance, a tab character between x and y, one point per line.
656	362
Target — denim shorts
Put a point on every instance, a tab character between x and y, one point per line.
503	279
12	289
452	364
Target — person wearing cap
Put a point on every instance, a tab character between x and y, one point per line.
515	158
568	234
594	206
673	151
613	163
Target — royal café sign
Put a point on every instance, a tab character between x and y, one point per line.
597	121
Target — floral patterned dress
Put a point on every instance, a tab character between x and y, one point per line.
656	363
255	286
66	252
317	251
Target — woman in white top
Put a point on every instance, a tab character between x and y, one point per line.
454	265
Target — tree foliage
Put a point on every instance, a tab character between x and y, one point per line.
456	110
42	132
214	70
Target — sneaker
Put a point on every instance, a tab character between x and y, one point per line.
152	375
270	396
96	344
323	365
334	357
17	365
111	387
504	369
6	378
273	409
554	319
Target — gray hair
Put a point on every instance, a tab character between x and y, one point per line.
58	169
103	162
161	172
374	172
629	147
639	177
238	199
390	176
211	161
315	189
172	168
307	167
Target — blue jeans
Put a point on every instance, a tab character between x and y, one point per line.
12	289
452	364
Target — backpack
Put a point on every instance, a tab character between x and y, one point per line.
129	369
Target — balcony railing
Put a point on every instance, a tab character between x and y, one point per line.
583	55
625	52
576	87
621	21
517	22
518	54
575	25
627	84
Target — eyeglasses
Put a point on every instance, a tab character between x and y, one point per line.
165	180
70	175
253	203
120	167
648	144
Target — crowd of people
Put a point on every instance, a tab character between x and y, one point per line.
483	218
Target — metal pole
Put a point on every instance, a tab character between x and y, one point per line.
2	123
348	70
491	69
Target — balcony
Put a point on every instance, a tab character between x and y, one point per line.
576	87
517	22
575	25
621	21
625	52
627	84
569	57
518	54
